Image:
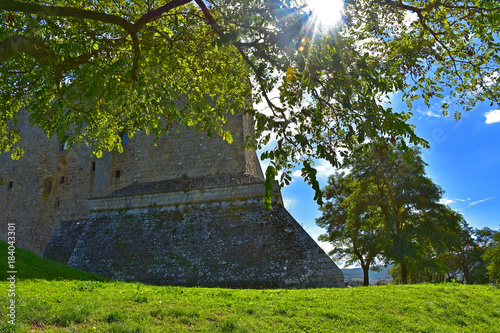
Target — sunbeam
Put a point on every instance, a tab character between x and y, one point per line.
326	12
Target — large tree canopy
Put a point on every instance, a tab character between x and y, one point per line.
87	70
352	223
387	207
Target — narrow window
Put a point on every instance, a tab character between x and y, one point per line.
11	185
117	174
124	138
61	180
58	204
93	166
63	145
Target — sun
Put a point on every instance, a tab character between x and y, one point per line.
326	12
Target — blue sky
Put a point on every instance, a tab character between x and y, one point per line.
463	159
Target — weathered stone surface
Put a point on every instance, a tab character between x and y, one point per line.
185	211
180	197
223	244
220	179
39	198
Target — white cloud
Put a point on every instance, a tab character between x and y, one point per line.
480	201
326	246
289	203
492	116
410	17
325	169
297	174
492	79
445	201
278	176
429	113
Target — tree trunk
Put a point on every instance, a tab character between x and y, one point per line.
465	278
404	273
366	280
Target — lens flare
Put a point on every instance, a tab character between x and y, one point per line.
326	12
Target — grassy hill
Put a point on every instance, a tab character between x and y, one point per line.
63	305
31	266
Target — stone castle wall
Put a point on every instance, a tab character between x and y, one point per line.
224	243
187	211
48	185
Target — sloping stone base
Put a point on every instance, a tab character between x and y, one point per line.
235	244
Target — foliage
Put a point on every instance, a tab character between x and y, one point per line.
431	270
388	194
441	47
87	71
351	222
467	258
466	261
492	256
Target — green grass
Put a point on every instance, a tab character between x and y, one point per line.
89	306
95	306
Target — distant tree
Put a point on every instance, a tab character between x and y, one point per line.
466	259
492	256
351	226
396	207
435	258
467	255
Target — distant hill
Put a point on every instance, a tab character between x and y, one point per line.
355	275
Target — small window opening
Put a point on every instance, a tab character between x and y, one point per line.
58	204
11	185
93	166
124	138
117	174
61	181
63	145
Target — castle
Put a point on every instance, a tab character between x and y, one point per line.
186	211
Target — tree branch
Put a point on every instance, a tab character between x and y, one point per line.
432	6
32	46
17	43
54	11
219	32
154	14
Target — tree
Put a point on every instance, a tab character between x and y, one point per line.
399	206
351	226
87	70
441	47
492	255
466	257
492	252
